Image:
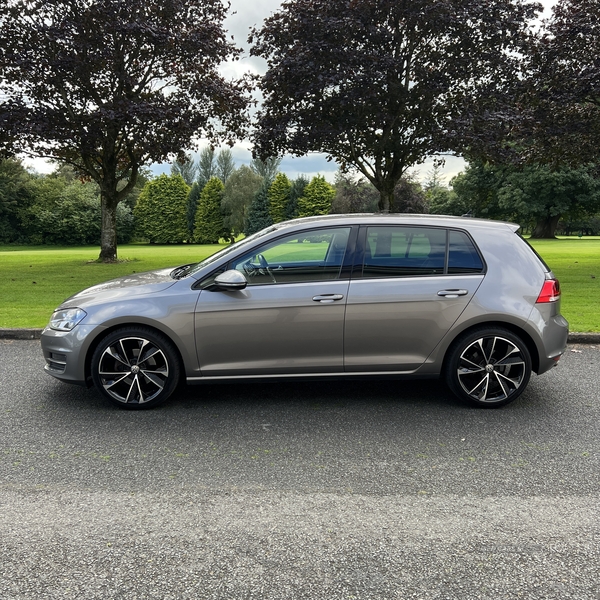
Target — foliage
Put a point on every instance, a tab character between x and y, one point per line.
542	196
225	165
108	86
258	214
296	192
267	168
161	210
185	166
562	100
73	218
279	197
443	201
240	189
380	85
191	208
409	196
207	166
15	198
317	198
209	224
353	194
476	191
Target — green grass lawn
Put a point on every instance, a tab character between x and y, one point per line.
35	280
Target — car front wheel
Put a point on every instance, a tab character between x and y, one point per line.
135	367
489	367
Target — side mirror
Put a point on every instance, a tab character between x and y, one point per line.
230	281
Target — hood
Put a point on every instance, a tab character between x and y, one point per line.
135	284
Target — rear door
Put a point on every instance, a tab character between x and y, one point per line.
408	288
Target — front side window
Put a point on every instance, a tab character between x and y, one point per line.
313	255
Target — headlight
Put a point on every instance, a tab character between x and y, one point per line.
65	320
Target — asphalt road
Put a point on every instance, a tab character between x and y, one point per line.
353	490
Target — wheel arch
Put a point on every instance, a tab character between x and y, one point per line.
515	329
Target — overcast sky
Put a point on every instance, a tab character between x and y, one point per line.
245	15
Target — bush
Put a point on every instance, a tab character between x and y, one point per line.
73	218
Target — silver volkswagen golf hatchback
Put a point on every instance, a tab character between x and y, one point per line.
338	296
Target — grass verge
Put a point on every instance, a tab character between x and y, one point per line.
35	280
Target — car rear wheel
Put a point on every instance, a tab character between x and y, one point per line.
136	367
489	367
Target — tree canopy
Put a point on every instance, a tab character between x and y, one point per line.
380	85
108	86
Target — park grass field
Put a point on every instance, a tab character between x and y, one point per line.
35	280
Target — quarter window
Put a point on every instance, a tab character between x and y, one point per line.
462	255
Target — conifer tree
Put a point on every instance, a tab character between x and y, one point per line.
258	215
297	191
317	198
160	210
279	197
209	227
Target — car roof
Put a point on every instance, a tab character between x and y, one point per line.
397	219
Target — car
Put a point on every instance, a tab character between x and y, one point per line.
337	296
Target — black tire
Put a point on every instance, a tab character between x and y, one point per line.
136	368
488	367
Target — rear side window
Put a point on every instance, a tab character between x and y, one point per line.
404	251
462	255
401	251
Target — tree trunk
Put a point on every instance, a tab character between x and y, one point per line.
386	200
545	228
108	237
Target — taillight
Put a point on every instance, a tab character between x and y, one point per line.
550	291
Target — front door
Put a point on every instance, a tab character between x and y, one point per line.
290	317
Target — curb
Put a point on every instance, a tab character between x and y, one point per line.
575	337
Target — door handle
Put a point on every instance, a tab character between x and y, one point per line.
452	293
327	298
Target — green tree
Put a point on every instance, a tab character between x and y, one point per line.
15	198
409	196
240	190
207	166
185	166
210	226
191	208
543	196
109	86
298	186
67	211
317	198
161	210
279	197
380	85
267	168
353	194
225	165
477	190
258	214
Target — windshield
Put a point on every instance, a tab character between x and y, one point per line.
186	270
